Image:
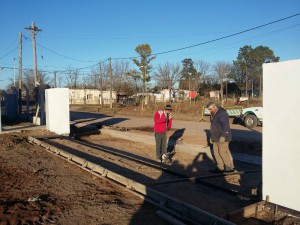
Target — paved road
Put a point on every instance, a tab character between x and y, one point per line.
189	128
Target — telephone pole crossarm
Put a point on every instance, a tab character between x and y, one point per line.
33	29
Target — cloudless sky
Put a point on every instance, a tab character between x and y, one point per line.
80	33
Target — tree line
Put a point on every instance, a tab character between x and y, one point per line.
194	75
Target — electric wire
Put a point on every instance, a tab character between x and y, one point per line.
6	54
67	57
183	48
227	36
159	53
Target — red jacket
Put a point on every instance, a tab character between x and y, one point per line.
160	122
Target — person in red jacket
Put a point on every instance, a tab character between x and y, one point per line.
162	122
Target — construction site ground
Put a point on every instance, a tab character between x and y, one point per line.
40	188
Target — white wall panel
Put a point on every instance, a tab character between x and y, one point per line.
281	133
57	110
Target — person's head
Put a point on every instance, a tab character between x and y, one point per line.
212	107
168	109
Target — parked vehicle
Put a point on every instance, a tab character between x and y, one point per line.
252	116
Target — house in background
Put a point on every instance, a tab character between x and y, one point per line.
176	95
90	96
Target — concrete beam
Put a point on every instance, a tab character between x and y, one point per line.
180	209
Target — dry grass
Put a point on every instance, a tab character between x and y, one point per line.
181	110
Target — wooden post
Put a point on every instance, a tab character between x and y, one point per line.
202	114
20	73
101	84
110	89
55	79
33	29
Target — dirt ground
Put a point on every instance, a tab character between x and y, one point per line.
39	188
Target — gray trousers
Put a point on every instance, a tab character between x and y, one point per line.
222	156
161	144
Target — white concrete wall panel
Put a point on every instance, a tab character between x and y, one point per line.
89	96
57	110
281	133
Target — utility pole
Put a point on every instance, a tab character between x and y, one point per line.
101	85
110	76
55	79
33	29
226	88
246	83
145	86
260	87
20	73
190	94
14	72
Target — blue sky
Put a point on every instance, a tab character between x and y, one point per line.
92	30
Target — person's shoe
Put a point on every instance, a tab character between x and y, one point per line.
229	170
216	170
166	161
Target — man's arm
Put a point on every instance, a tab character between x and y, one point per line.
225	127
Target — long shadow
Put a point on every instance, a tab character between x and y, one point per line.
12	128
174	139
207	132
129	173
246	147
246	135
198	167
87	119
74	115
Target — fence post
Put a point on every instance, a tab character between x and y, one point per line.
202	114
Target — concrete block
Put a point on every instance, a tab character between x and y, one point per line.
281	129
57	110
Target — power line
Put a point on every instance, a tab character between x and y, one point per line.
227	36
9	52
159	53
64	55
242	40
195	45
187	47
6	54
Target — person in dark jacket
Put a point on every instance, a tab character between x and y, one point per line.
220	136
162	121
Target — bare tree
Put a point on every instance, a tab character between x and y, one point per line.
72	78
122	83
167	76
203	68
28	80
222	69
60	81
91	80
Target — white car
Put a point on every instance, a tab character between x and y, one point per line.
252	116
